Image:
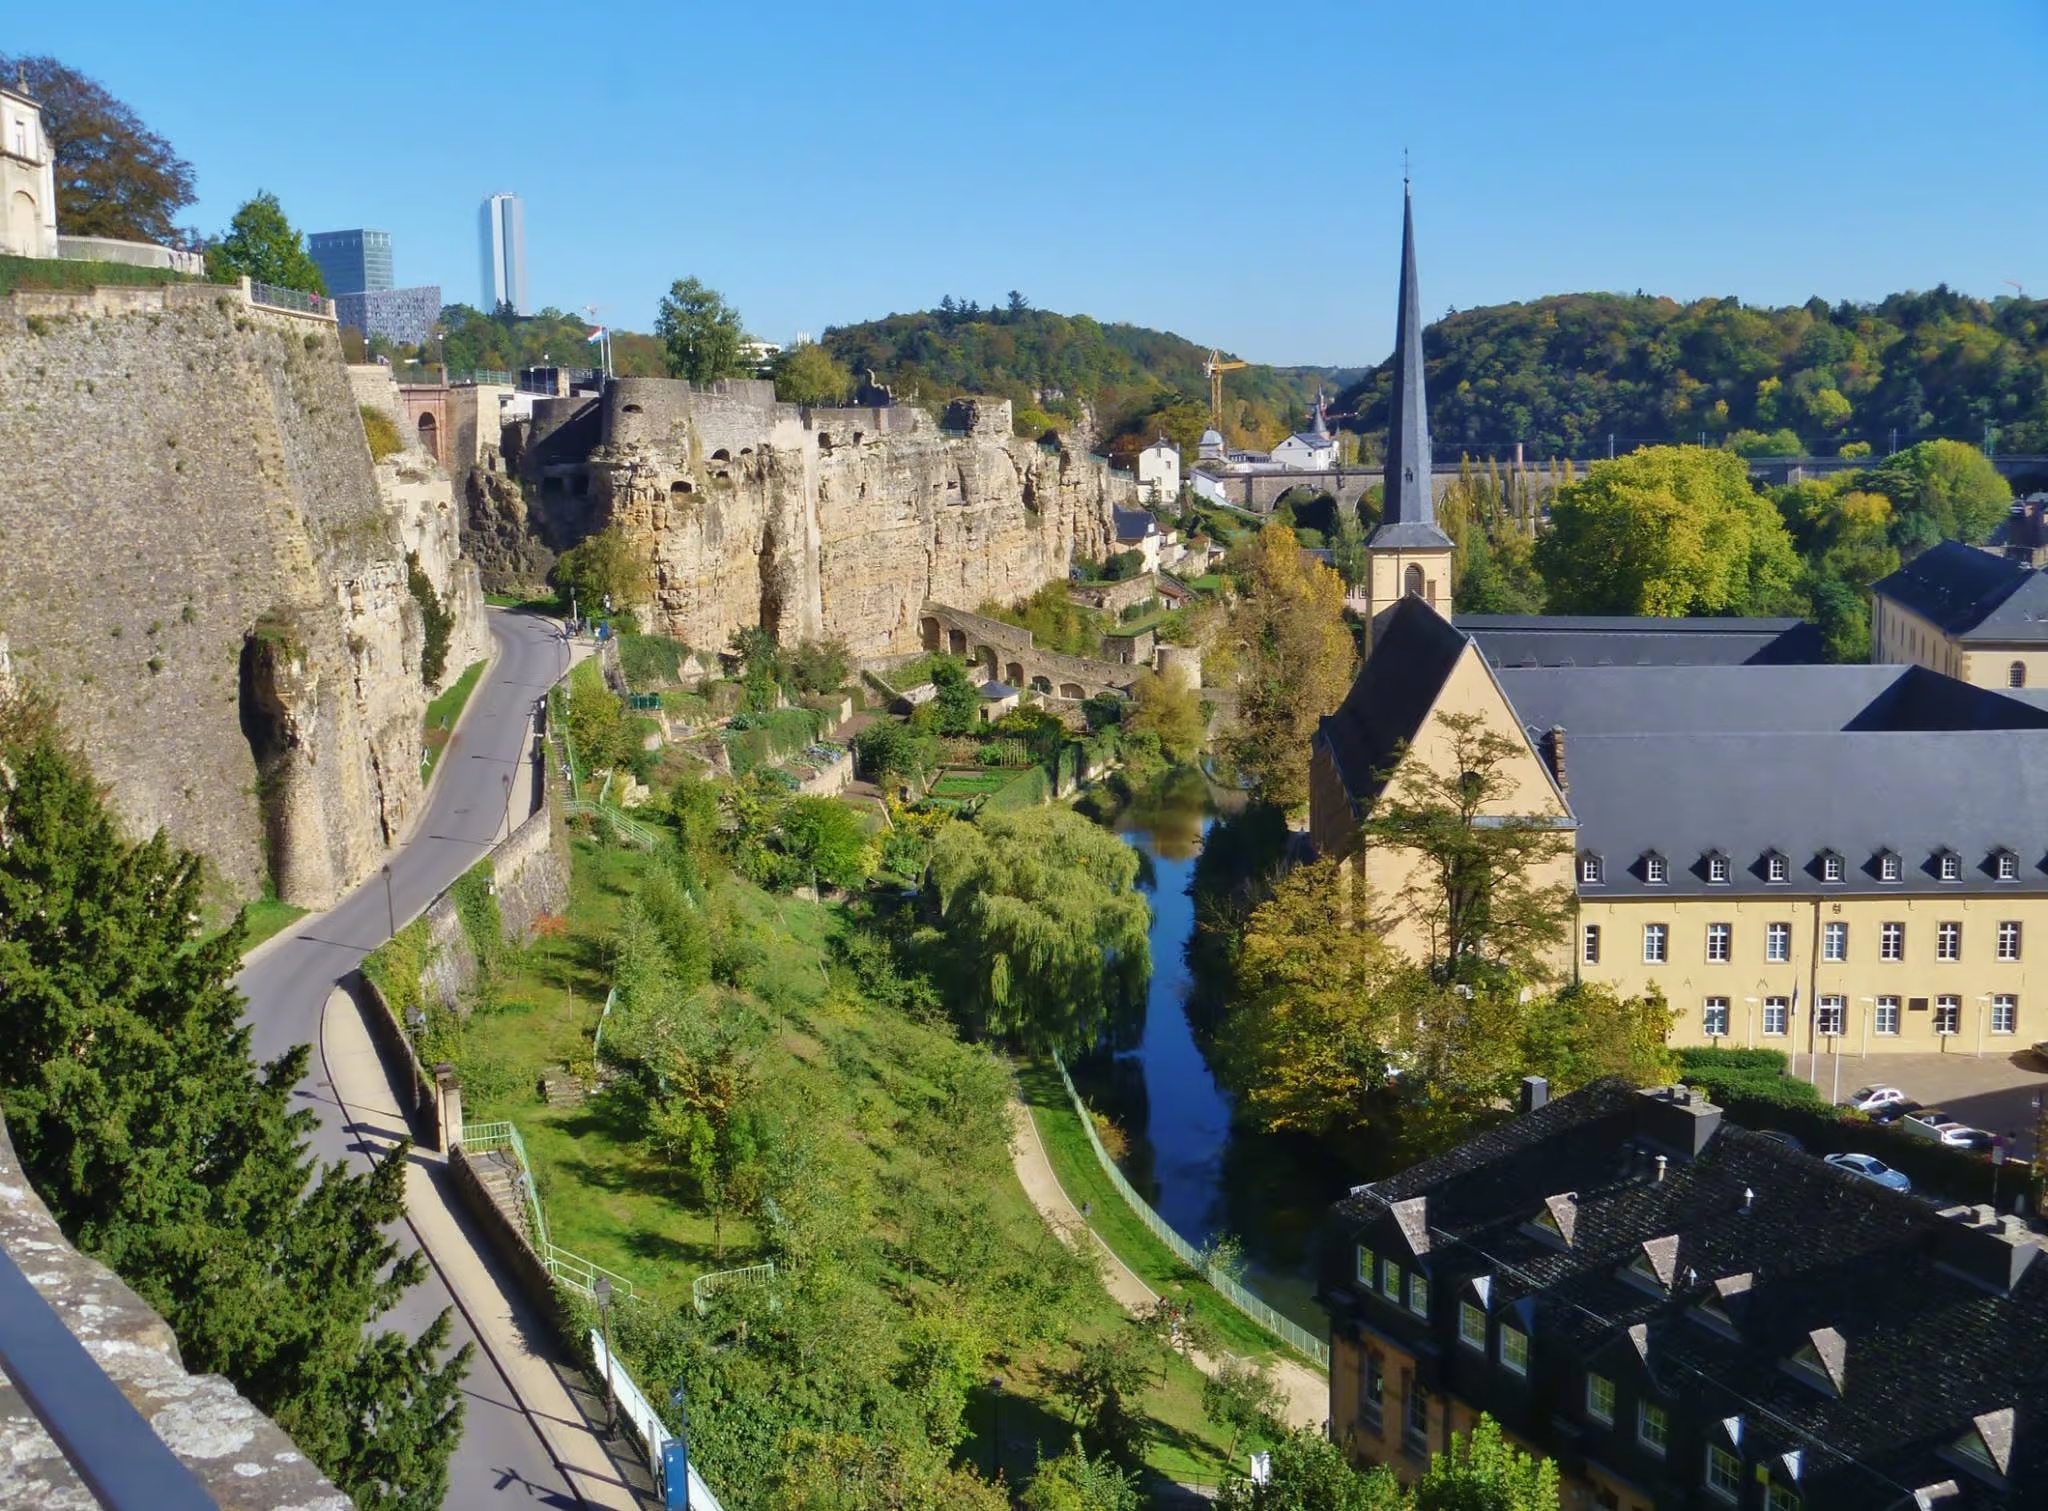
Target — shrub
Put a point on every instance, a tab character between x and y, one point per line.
650	661
382	433
438	623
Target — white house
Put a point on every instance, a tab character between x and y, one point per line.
1159	471
1312	450
28	179
1137	530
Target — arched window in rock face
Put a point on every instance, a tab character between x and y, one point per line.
1411	582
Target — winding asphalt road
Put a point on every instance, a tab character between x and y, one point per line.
500	1461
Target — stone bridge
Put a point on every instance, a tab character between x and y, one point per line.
1258	489
1007	654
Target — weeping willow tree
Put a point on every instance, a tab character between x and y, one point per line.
1045	924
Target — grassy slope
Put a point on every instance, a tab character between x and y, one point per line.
442	714
609	1201
267	917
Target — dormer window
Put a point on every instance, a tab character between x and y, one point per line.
1655	872
1888	866
1591	872
1948	865
1655	1265
1557	1220
2005	865
1986	1449
1822	1361
1830	866
1777	870
1717	868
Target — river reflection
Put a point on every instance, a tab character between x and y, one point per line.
1203	1176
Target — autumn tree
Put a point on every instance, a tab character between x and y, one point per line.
700	332
1482	1471
1046	926
1294	660
1669	531
809	374
825	838
261	244
607	565
1479	888
115	177
1167	708
1587	1030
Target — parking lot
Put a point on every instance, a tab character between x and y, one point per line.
1995	1093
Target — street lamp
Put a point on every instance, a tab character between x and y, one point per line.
603	1291
390	912
417	1022
508	805
995	1435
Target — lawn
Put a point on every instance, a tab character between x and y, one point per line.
609	1198
442	714
972	781
265	918
532	600
1081	1176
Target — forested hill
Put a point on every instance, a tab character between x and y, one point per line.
1139	382
1563	373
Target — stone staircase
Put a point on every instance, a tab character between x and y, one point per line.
563	1090
498	1173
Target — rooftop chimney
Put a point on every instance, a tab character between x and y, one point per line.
1676	1119
1551	746
1976	1243
1535	1093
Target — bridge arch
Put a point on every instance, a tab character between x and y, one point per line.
956	642
929	633
1073	690
1013	674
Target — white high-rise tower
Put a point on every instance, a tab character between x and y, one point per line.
501	230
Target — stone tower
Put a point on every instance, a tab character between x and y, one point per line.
1409	553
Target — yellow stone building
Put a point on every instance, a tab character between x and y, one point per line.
1973	615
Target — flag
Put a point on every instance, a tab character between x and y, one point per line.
596	335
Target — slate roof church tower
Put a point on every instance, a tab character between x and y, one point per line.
1409	554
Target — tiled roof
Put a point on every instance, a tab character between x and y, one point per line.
1414	649
1972	594
1565	640
1916	1338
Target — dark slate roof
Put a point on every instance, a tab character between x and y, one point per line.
1879	1283
1972	594
1409	535
997	690
1135	524
1414	649
1567	640
1687	761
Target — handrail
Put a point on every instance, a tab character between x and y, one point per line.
564	1266
647	1426
702	1287
125	1465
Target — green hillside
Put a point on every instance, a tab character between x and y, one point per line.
1138	382
1565	372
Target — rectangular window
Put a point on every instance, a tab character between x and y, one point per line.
1724	1472
2009	941
1415	1431
1891	941
1589	870
1951	868
1948	941
1600	1399
1774	869
2008	866
1656	943
1653	870
1592	935
1717	869
1418	1294
1888	868
1827	1016
1368	1268
1471	1326
1886	1016
2005	1013
1780	1498
1834	941
1948	1015
1372	1391
1390	1279
1514	1349
1653	1427
1714	1018
1831	868
1719	936
1776	1010
1777	942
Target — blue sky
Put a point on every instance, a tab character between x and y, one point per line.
1221	170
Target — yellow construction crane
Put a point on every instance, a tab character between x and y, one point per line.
1215	368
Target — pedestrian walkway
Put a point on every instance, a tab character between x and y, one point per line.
1306	1393
502	1318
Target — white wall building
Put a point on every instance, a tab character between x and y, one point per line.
1159	471
1311	450
28	180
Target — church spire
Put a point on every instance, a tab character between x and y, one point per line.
1409	515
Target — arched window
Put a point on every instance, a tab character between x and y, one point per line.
1411	582
2016	674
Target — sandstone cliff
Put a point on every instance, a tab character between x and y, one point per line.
196	561
815	523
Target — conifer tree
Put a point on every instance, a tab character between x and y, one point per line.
163	1151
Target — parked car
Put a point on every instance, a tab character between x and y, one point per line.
1970	1138
1892	1112
1866	1167
1933	1123
1868	1098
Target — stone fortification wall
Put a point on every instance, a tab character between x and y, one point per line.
815	523
199	567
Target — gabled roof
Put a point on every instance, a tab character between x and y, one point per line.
1972	594
1135	524
1414	651
1515	640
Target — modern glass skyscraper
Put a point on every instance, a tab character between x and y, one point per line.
501	228
352	262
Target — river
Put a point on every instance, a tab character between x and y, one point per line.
1203	1175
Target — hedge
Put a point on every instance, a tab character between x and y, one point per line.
757	740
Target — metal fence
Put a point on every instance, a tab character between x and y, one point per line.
751	1274
647	1426
1286	1329
290	299
566	1268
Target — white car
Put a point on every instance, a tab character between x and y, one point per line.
1867	1168
1869	1098
1933	1123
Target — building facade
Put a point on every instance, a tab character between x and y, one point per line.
405	316
1158	469
1969	614
1684	1314
501	236
352	262
28	180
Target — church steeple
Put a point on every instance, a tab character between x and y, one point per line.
1318	422
1408	517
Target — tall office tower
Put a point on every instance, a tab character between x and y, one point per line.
501	227
352	262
